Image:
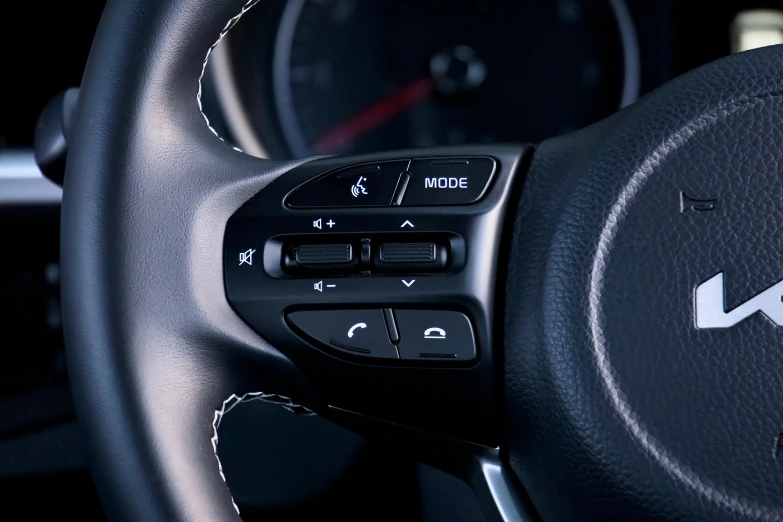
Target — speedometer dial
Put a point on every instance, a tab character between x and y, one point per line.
356	76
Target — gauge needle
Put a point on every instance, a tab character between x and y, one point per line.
375	115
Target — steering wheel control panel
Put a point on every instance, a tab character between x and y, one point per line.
376	275
364	254
432	181
390	334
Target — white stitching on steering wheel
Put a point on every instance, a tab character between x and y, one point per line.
229	25
229	405
234	399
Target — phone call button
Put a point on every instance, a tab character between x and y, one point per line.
435	335
361	333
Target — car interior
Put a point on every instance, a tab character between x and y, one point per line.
378	260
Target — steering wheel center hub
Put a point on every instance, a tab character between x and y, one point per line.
683	301
663	329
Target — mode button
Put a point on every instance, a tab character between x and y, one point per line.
448	181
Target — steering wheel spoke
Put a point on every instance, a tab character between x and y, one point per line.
150	390
182	298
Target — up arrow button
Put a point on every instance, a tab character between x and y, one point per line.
407	224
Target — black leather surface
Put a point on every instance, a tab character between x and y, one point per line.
153	347
618	407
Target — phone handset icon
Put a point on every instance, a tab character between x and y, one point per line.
355	327
434	333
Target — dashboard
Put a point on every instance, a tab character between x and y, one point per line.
308	77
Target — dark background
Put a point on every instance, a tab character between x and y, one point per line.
46	52
42	465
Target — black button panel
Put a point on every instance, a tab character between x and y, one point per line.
278	273
448	181
420	182
430	336
435	335
367	254
366	185
357	332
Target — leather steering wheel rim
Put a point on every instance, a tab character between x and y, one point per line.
149	404
157	355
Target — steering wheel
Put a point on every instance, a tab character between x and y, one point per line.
607	303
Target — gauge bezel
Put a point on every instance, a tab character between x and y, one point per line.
224	81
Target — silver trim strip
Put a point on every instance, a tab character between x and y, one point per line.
220	71
18	164
496	491
22	183
632	63
281	81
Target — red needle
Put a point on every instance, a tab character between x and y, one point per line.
374	115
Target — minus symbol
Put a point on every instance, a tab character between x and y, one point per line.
331	286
